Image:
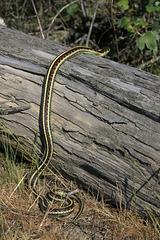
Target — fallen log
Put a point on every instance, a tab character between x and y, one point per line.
105	117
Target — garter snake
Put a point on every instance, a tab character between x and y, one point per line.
58	195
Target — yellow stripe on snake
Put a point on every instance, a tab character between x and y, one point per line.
58	195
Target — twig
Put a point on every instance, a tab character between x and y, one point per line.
153	60
114	28
17	186
53	20
40	27
91	26
8	230
71	193
84	8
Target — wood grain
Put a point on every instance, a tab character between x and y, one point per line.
105	117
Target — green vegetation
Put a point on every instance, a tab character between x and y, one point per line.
130	28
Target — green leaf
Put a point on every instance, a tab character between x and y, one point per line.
150	8
138	22
123	21
72	9
141	43
153	8
155	26
124	4
149	39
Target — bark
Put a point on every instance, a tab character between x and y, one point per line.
105	117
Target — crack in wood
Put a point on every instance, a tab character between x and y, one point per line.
120	101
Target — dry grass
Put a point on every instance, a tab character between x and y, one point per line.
98	221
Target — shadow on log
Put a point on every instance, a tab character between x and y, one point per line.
105	117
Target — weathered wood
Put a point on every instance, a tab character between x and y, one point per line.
105	117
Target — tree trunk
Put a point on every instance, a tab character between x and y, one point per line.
105	117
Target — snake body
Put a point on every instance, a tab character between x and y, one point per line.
58	195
